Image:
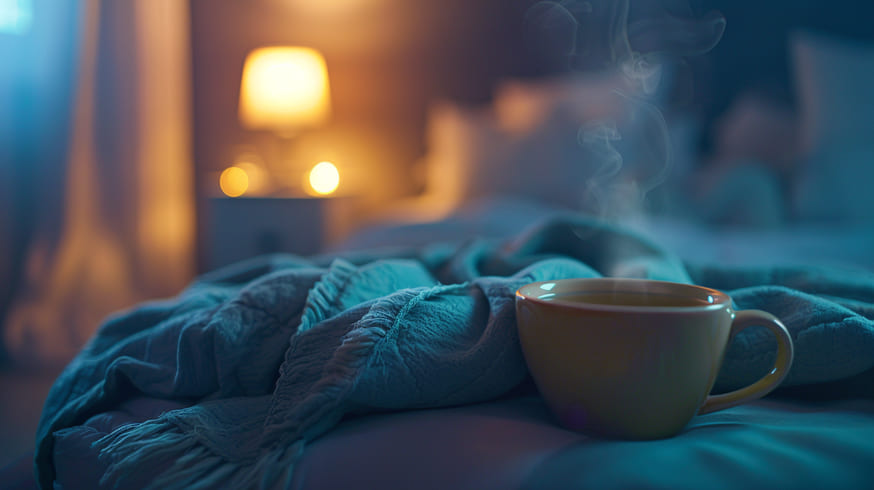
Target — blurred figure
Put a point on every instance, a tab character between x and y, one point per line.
744	180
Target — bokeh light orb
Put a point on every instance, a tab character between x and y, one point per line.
324	178
234	181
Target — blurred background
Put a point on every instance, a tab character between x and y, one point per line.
135	153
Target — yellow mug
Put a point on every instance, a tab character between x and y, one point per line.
635	358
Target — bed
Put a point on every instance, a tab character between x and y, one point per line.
402	370
392	361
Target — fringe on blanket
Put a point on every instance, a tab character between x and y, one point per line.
158	452
169	457
161	455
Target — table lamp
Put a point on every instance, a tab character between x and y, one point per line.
284	89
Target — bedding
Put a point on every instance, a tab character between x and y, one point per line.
834	76
511	443
399	367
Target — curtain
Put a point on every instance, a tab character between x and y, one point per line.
105	216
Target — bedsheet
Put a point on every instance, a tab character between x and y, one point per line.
514	443
836	244
264	358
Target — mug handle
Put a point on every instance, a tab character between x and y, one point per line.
785	353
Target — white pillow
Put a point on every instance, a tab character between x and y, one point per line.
835	83
549	141
472	157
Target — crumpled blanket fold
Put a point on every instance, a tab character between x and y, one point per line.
271	353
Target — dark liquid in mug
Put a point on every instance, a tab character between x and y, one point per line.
630	299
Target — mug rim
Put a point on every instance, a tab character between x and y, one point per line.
719	300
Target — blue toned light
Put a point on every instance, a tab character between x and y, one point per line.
548	286
16	16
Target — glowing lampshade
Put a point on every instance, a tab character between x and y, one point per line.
324	178
284	89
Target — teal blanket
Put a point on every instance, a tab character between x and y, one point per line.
272	353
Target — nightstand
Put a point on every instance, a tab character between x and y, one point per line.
243	227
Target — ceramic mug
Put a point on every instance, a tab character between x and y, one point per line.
634	358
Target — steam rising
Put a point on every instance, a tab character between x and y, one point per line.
597	140
630	154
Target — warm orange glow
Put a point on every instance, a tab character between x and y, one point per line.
257	175
324	178
284	89
234	181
